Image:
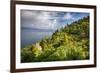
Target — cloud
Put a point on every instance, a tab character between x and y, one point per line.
68	16
38	19
48	19
44	19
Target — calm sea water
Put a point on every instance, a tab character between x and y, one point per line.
29	37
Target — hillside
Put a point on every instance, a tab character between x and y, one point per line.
68	43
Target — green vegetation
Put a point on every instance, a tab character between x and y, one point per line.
68	43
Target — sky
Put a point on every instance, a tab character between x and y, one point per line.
48	19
